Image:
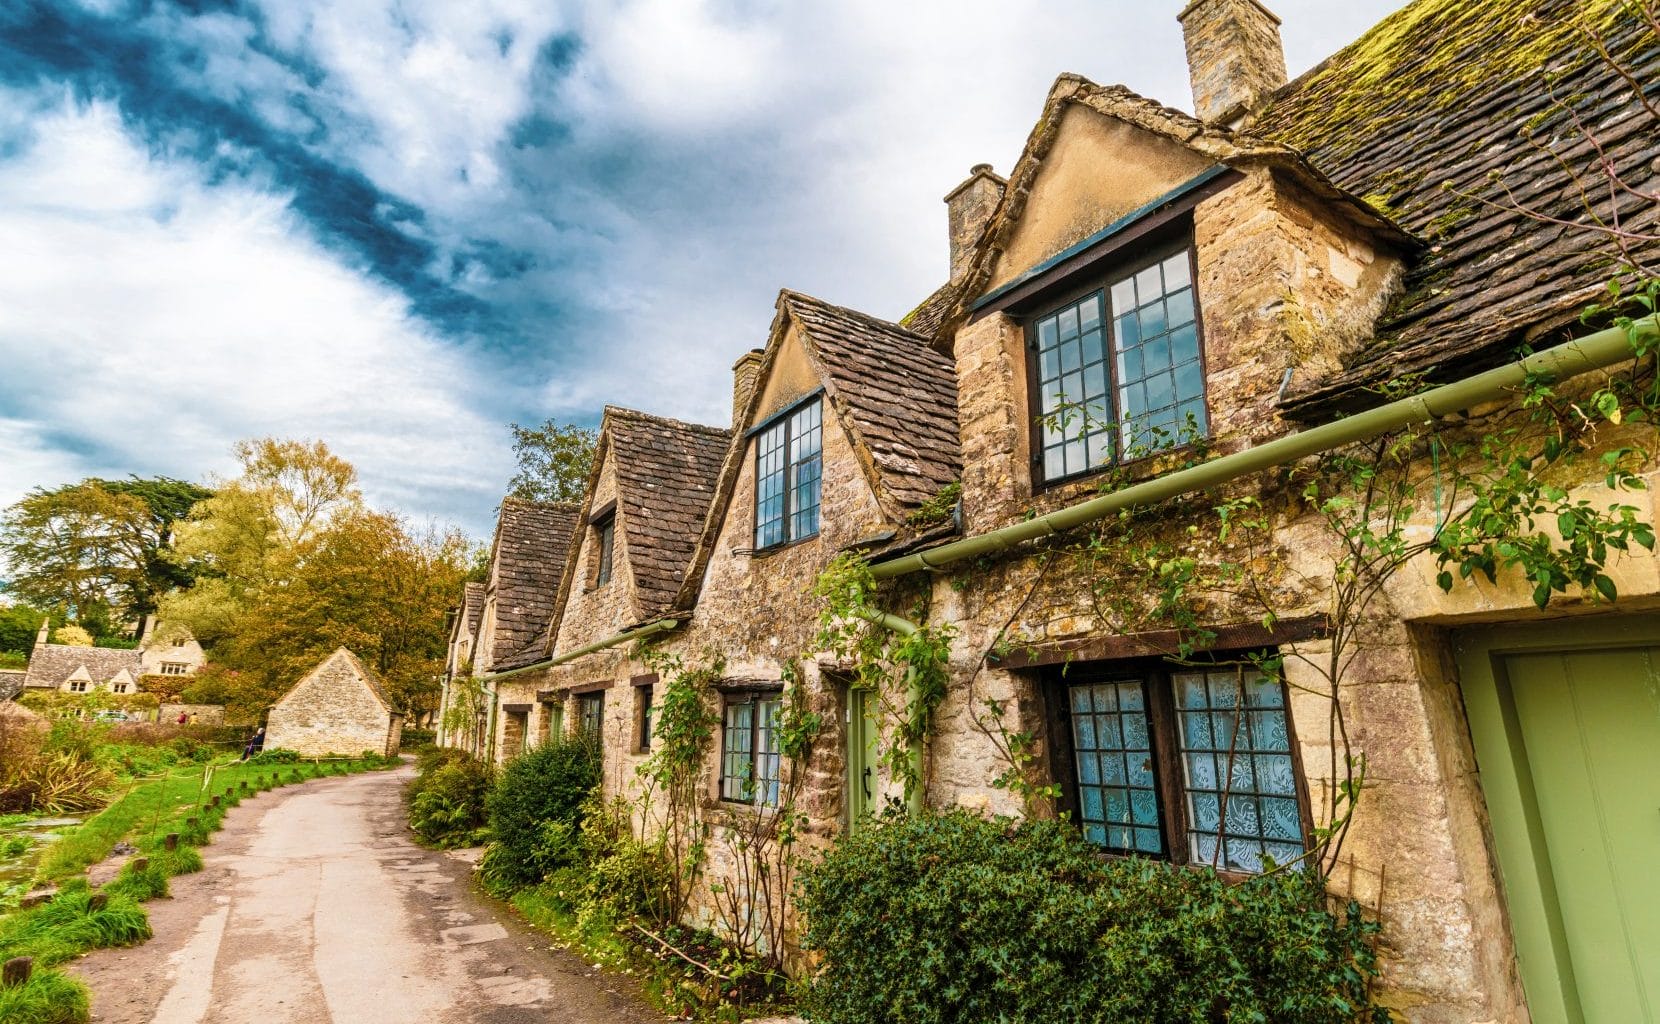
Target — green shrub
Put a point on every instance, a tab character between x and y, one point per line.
953	917
276	755
446	800
535	811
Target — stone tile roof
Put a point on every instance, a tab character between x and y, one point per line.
50	665
1467	92
927	318
895	394
11	682
472	606
666	475
532	542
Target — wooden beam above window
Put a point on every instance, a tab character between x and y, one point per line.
1159	643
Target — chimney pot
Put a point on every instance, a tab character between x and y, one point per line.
744	372
968	208
1234	57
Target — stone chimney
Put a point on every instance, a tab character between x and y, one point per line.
968	207
1234	57
45	631
743	384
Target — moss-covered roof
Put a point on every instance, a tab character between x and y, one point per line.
1446	116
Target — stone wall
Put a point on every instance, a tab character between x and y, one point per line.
200	714
332	711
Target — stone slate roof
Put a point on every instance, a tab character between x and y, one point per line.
666	475
11	682
50	665
532	540
1465	92
894	393
472	606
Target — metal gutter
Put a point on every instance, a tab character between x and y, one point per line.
637	633
1593	352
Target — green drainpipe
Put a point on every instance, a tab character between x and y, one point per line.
638	633
915	799
1593	352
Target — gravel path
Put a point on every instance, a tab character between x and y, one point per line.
316	907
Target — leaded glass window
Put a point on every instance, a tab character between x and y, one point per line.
590	714
1074	402
749	750
1239	778
1118	373
788	472
1160	380
1218	740
1117	798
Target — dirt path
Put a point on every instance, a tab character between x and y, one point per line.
316	907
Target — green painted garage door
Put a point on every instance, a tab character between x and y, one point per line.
1566	723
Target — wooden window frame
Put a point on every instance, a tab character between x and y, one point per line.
645	689
605	544
737	697
785	419
584	699
1168	240
1156	676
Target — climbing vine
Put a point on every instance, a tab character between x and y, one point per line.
682	732
907	670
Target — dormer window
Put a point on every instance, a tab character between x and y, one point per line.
1117	369
788	468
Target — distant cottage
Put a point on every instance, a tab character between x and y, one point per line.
162	651
338	707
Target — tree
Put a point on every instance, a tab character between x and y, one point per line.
72	636
19	625
98	545
554	460
293	565
254	533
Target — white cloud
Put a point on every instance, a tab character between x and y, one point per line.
149	319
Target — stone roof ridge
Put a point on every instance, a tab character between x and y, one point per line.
666	421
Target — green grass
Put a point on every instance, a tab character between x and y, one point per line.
50	997
144	815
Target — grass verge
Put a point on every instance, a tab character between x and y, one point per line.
144	815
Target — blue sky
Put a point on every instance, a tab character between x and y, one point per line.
398	225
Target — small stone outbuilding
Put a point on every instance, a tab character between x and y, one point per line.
339	707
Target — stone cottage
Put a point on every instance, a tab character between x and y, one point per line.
163	650
1191	378
338	708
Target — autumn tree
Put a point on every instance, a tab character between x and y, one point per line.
554	460
98	545
294	565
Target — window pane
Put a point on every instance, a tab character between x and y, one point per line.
805	470
766	751
1074	395
737	765
1240	781
1116	788
1159	379
769	486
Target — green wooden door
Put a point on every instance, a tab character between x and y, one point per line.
862	755
1566	723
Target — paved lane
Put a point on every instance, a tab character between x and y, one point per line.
316	907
